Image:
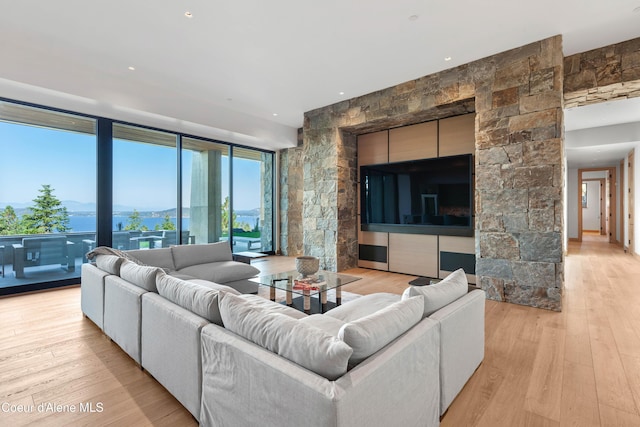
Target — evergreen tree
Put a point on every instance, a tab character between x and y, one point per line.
135	222
9	222
167	224
47	215
234	218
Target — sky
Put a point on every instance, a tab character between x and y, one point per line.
144	174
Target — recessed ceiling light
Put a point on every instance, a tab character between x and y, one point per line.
229	99
447	58
413	18
188	14
340	93
275	114
132	68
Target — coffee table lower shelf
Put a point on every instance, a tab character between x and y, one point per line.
316	303
316	307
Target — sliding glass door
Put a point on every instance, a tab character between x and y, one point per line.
252	218
144	188
47	195
205	191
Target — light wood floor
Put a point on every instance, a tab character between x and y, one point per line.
580	367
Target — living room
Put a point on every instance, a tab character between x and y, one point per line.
517	94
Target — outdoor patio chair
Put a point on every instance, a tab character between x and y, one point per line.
38	251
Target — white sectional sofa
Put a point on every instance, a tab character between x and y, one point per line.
239	359
210	262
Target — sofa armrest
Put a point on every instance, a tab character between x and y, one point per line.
244	384
461	343
170	346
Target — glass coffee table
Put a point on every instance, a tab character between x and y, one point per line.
299	290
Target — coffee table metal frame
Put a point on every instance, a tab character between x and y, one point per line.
326	280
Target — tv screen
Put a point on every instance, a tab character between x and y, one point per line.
430	196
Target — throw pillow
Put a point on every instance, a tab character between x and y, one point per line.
326	323
440	294
307	346
222	271
140	275
196	298
109	263
186	255
369	334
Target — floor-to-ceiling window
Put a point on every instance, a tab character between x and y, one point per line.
47	194
163	188
205	191
252	219
144	188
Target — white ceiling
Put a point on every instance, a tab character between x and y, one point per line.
227	70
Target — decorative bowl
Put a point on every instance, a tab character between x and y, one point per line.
307	265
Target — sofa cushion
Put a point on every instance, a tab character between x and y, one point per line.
440	294
370	333
187	255
221	271
212	285
363	306
109	263
180	275
159	257
305	345
272	306
328	324
140	275
194	297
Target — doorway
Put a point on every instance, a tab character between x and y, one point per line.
597	212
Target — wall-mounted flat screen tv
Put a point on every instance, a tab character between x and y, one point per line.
430	196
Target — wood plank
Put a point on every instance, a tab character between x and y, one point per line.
373	148
457	135
545	388
413	142
611	379
413	254
614	417
579	396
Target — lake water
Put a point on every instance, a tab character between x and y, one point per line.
88	223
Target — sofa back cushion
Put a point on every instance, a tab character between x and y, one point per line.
443	293
305	345
198	299
140	275
187	255
160	257
221	271
109	263
369	334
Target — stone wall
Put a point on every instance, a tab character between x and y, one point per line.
599	75
291	195
517	97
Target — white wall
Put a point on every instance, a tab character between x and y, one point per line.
636	221
636	173
571	203
591	214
